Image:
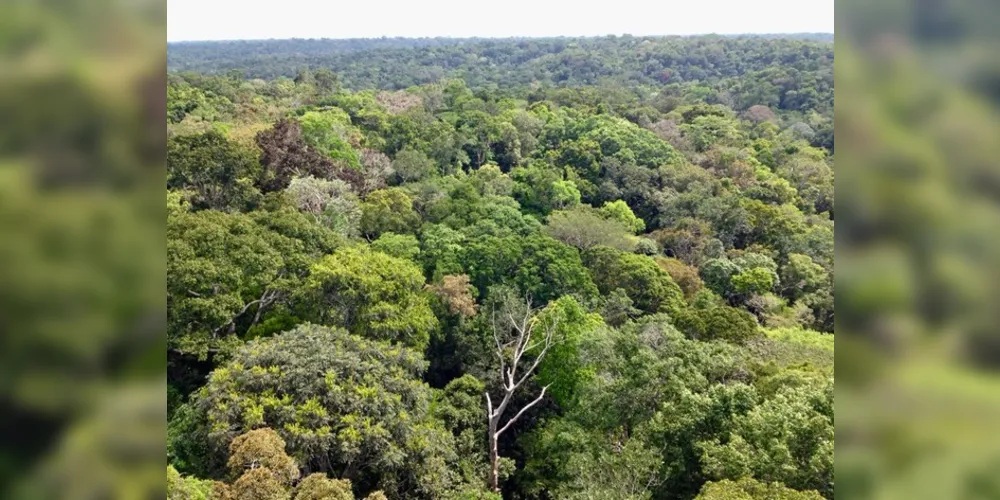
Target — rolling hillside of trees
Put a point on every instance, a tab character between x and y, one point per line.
786	73
592	268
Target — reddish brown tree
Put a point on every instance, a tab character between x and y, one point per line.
285	154
758	114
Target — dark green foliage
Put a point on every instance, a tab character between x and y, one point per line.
230	273
460	407
650	288
537	265
717	322
219	173
516	63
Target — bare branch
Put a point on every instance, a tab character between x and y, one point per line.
534	365
496	338
524	330
526	407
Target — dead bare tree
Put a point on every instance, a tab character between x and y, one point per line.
515	336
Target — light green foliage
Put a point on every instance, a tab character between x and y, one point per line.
388	210
463	200
330	133
626	474
186	488
665	376
583	227
728	323
796	347
412	166
541	189
565	194
707	131
801	276
319	487
690	419
757	280
373	295
650	287
441	249
591	140
362	107
722	433
717	274
812	178
184	100
489	138
618	210
402	246
775	226
489	180
337	400
500	217
802	337
788	438
606	467
750	489
563	370
775	312
646	246
745	275
749	260
330	202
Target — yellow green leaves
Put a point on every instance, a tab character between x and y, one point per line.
336	399
373	295
388	210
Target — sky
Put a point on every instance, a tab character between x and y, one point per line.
256	19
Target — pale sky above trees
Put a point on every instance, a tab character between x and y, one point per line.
241	19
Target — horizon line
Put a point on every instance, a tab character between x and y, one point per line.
511	37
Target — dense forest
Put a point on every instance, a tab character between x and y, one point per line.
596	268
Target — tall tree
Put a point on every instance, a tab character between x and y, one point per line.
516	333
